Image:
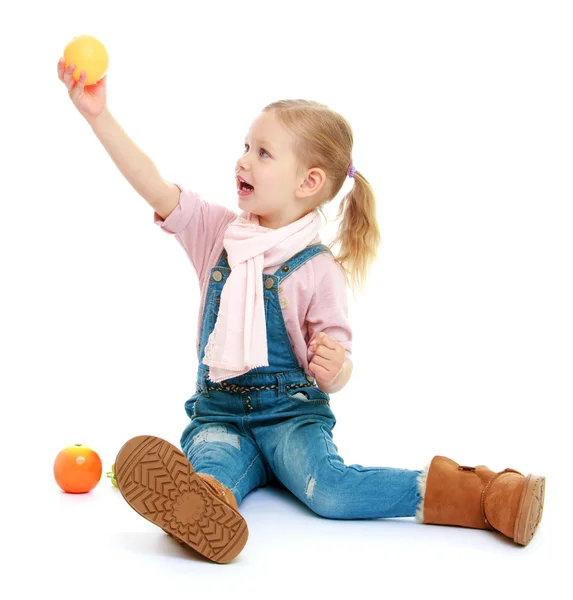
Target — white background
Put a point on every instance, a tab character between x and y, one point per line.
462	122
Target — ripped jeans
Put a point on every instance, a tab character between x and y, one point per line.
273	424
283	436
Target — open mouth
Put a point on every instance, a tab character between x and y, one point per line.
244	186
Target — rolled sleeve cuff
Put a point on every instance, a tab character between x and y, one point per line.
180	215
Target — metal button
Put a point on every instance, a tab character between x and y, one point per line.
284	303
217	275
269	282
286	268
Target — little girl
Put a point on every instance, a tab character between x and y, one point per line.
273	343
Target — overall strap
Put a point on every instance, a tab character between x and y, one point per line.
296	261
292	264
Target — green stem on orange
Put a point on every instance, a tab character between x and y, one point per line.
111	475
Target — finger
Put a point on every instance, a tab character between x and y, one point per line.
319	360
68	79
320	372
327	341
81	83
61	65
68	72
317	341
325	352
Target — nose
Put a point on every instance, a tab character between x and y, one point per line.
241	165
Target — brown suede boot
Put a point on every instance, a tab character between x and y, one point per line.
476	497
157	480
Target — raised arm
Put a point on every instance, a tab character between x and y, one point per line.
134	164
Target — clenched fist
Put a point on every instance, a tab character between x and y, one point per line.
328	359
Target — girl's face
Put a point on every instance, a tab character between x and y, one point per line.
268	163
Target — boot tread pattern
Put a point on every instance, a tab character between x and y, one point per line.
157	480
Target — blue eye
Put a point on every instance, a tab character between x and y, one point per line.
262	150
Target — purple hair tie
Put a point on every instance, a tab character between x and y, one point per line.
351	170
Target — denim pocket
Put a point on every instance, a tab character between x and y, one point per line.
191	405
311	395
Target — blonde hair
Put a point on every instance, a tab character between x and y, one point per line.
323	139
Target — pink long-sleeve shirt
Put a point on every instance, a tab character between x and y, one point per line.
313	298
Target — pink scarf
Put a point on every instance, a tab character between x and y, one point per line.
238	342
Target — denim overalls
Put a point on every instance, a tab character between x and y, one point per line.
274	424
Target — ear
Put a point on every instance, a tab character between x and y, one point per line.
312	183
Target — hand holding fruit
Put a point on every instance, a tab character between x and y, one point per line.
83	71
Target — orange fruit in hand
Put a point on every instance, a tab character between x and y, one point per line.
77	469
89	55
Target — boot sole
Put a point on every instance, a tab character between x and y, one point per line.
530	509
157	480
